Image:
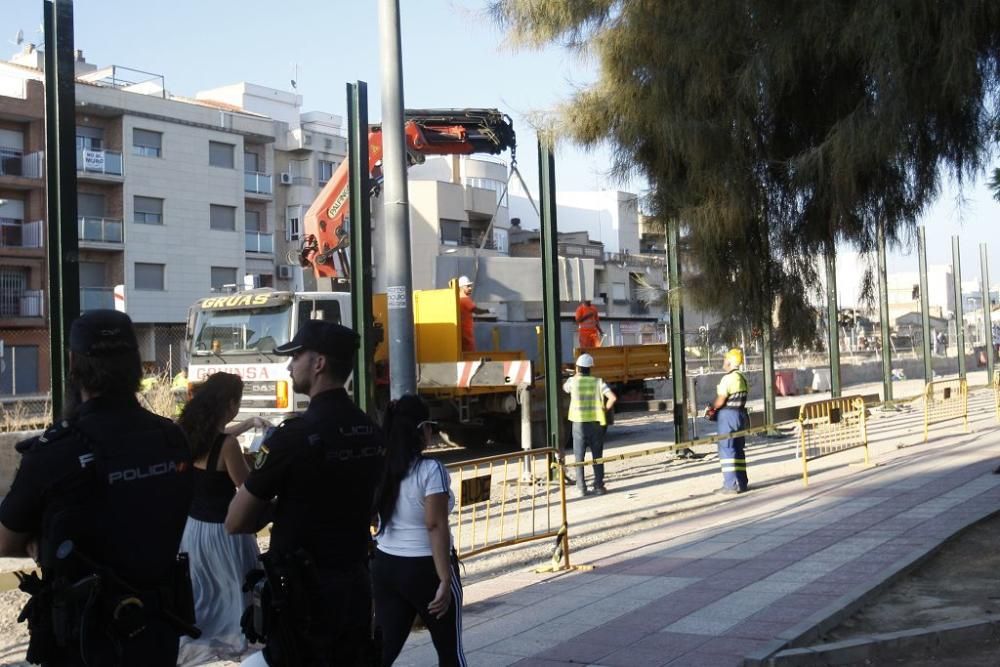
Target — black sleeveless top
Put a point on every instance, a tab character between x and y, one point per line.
213	489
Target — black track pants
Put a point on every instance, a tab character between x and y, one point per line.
403	587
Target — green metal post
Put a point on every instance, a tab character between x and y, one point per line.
767	333
925	306
883	298
987	315
833	319
60	157
675	295
551	325
956	263
361	241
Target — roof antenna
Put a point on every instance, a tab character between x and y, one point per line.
295	76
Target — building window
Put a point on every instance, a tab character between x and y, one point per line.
149	276
451	232
148	210
146	143
20	370
222	217
89	138
325	170
293	224
253	221
13	284
221	155
251	162
222	276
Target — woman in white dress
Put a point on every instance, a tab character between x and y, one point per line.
219	562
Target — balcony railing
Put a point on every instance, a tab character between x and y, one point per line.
97	298
572	250
16	233
633	259
258	183
260	242
20	303
99	162
13	162
100	230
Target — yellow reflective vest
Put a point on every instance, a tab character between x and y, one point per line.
586	398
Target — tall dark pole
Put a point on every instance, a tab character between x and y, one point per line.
361	240
925	306
60	158
551	323
767	331
883	299
987	315
675	297
396	205
956	264
833	319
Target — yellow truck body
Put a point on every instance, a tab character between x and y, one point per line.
627	363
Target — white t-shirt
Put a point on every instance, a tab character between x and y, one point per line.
406	534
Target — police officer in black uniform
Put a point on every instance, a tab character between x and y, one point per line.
100	501
322	467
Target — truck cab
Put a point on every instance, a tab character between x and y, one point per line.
237	333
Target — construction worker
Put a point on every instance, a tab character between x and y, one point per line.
730	411
589	397
467	308
588	324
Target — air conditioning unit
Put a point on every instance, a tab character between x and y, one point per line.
286	178
284	272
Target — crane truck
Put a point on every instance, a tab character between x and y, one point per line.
237	332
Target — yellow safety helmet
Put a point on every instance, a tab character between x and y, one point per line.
735	356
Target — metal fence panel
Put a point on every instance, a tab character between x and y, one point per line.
830	426
945	400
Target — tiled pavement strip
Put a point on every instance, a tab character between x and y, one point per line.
744	576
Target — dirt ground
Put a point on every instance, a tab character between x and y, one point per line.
958	583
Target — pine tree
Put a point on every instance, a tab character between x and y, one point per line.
774	130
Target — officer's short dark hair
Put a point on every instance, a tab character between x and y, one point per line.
117	373
105	353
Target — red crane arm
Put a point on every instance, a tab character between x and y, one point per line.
428	132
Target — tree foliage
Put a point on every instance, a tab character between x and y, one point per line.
776	129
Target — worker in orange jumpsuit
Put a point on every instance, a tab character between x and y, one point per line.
468	308
588	325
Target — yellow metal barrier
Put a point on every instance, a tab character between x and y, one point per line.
945	400
509	499
830	426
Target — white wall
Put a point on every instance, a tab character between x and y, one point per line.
608	216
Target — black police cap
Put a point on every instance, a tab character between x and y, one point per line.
327	338
101	332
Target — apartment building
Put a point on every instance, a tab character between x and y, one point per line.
175	199
23	267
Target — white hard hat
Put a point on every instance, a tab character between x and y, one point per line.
464	281
585	361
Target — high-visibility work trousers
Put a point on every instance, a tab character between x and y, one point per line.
589	338
732	456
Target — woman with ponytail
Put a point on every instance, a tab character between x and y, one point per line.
415	570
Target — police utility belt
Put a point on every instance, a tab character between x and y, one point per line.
63	609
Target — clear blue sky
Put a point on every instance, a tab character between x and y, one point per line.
453	56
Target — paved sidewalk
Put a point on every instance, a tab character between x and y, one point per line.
744	577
